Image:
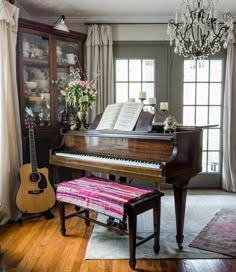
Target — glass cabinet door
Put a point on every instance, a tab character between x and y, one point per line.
36	73
66	57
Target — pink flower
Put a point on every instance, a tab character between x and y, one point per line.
88	85
63	93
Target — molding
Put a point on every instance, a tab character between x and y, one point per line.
23	12
108	19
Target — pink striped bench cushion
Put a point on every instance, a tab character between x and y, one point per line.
101	195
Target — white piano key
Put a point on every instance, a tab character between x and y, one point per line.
115	161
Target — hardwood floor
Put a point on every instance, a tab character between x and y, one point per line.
37	245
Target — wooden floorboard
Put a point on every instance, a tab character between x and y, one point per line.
36	245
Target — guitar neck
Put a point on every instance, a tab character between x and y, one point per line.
33	158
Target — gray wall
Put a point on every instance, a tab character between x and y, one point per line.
169	78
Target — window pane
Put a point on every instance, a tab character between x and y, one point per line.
189	71
204	161
214	115
121	70
134	89
202	93
215	93
149	89
148	70
213	162
188	115
214	139
204	144
121	92
201	115
189	93
203	71
216	70
135	70
206	103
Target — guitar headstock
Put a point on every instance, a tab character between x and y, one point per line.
29	122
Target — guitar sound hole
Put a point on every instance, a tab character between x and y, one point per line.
43	182
34	177
40	178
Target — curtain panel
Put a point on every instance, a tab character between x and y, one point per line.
10	132
229	121
100	65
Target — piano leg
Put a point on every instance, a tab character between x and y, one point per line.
180	193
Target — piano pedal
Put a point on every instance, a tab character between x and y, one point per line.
130	180
114	222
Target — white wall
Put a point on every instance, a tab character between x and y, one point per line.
140	32
131	32
78	27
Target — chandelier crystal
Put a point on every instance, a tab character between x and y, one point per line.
196	31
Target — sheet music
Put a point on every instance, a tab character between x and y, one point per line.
110	116
120	116
128	116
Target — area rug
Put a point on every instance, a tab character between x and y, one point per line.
201	207
219	235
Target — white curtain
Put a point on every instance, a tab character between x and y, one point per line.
229	121
100	65
10	134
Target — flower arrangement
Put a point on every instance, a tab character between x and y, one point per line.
79	94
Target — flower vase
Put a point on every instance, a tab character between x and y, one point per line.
82	116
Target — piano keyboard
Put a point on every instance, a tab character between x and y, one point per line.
115	161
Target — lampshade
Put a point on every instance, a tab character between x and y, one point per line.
60	24
196	32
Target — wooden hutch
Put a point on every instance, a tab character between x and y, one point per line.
44	57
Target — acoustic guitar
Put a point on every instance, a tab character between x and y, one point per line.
35	194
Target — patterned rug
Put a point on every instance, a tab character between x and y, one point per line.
219	235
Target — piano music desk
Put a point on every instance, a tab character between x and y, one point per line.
112	199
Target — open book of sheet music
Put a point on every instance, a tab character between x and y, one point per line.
121	116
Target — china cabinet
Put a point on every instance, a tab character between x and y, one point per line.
44	57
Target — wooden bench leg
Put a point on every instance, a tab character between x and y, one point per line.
156	225
132	238
62	217
87	221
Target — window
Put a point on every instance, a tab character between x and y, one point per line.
202	105
133	76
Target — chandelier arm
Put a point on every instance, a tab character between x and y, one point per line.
223	28
185	32
219	35
202	37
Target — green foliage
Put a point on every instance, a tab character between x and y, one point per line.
79	94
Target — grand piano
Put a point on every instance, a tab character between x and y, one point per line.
145	153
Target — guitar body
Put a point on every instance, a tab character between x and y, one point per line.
35	193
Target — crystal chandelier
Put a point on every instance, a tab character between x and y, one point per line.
196	30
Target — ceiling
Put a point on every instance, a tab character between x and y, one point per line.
110	11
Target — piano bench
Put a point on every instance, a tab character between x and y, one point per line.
112	199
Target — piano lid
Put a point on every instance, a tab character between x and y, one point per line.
152	135
159	127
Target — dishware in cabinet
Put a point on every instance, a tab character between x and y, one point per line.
35	81
44	58
67	56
